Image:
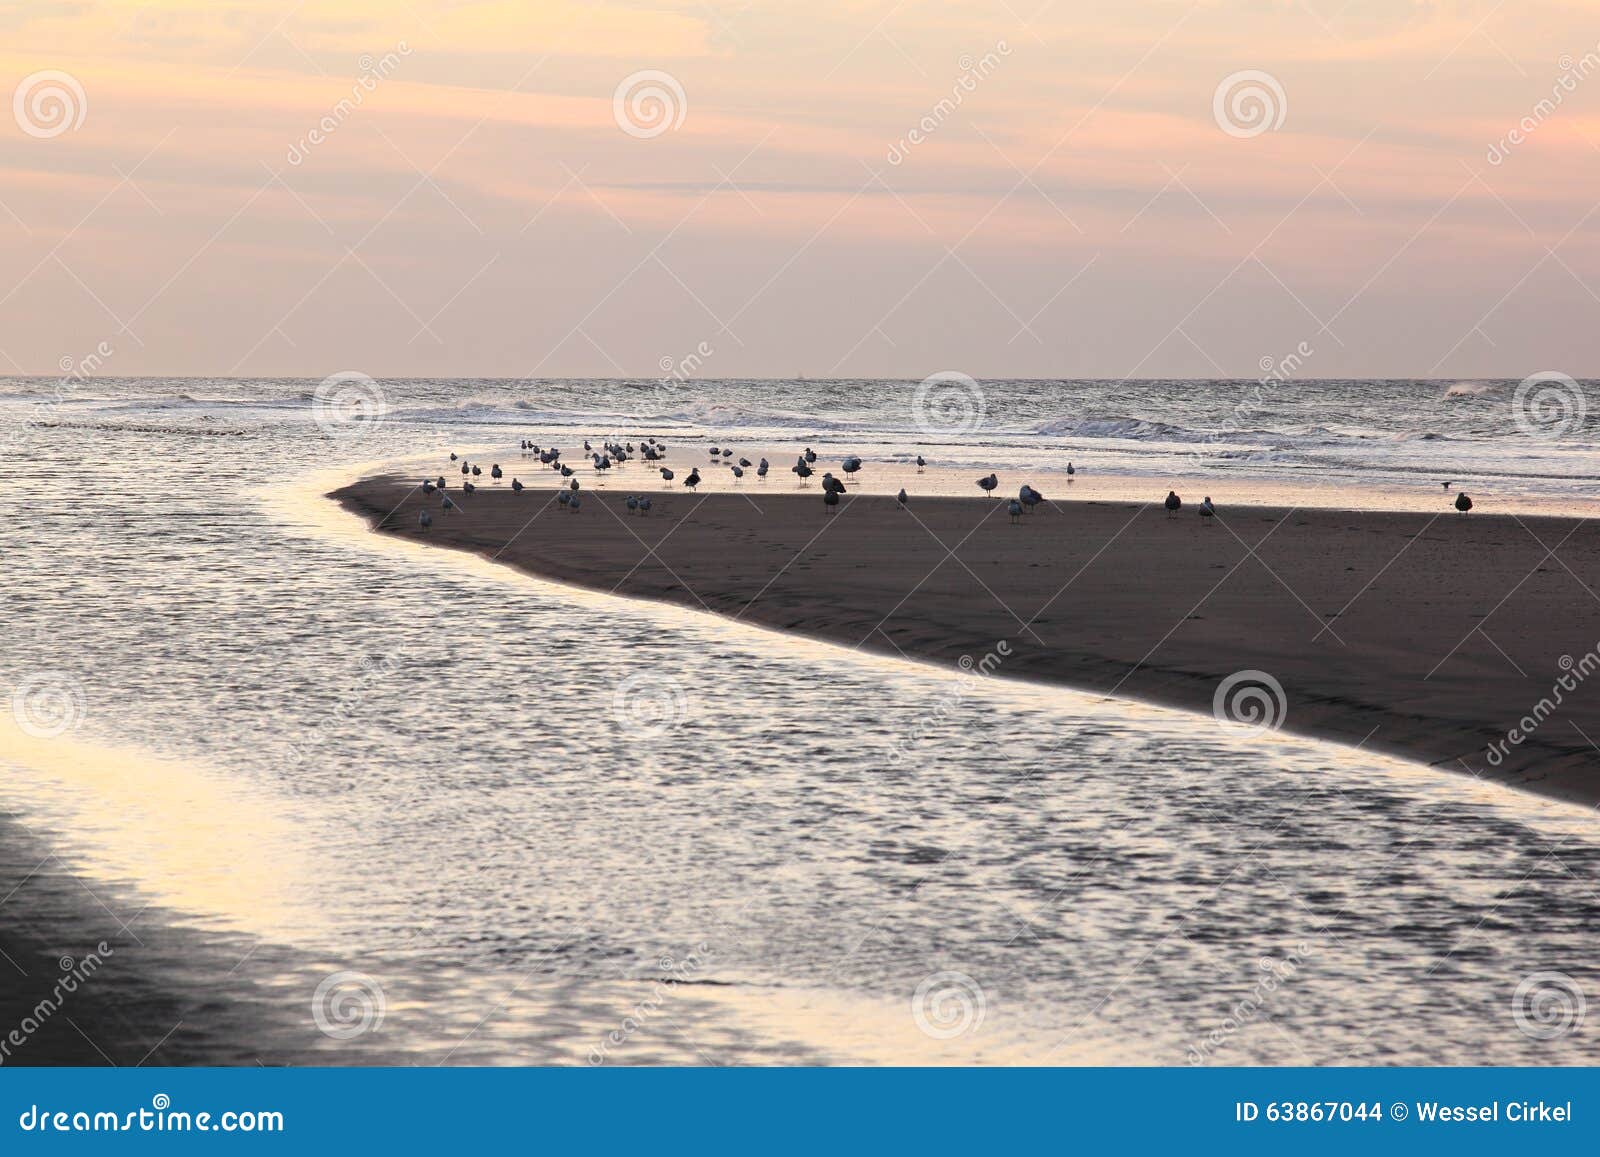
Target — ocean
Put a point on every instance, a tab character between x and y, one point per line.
430	810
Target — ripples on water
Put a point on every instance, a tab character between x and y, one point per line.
413	764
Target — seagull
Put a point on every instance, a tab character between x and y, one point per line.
468	487
1463	503
448	505
745	462
1071	470
988	484
901	497
811	455
1173	503
477	471
1029	497
832	485
1206	509
427	486
921	462
633	504
1446	485
667	476
465	469
574	485
495	472
830	499
515	485
644	506
727	453
738	472
452	456
440	483
761	470
425	520
851	465
563	497
693	480
1016	511
573	505
802	469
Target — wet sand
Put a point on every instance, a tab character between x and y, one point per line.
1424	636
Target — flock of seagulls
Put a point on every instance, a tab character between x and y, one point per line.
608	455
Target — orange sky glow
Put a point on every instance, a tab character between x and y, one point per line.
1017	188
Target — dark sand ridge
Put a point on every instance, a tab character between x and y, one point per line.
1428	637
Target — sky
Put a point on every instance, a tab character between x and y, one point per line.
839	188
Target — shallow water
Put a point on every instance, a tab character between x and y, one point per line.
554	826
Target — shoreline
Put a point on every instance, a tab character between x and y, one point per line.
1419	636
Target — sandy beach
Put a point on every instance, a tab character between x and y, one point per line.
1428	637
